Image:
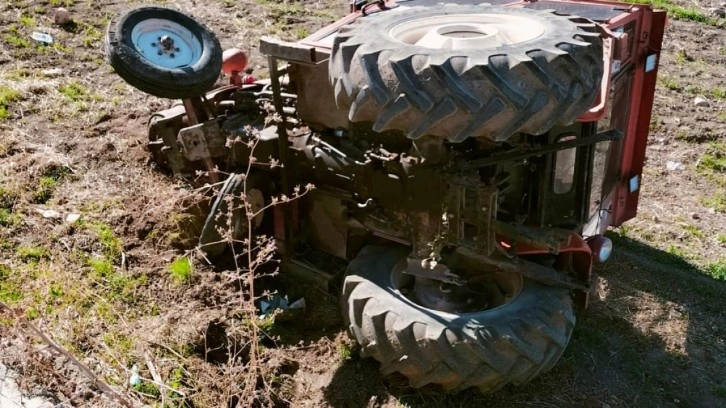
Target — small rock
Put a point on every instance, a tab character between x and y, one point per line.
52	72
655	218
72	217
696	216
61	16
673	165
48	213
701	102
718	12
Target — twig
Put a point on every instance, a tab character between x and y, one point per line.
85	370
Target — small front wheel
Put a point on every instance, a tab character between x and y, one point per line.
164	52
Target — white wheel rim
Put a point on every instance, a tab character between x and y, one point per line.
166	43
466	31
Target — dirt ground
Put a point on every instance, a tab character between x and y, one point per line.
89	228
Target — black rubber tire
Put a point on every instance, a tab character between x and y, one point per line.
210	239
480	92
512	343
175	83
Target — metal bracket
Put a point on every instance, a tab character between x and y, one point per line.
439	272
197	141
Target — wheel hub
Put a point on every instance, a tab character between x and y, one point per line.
466	31
166	43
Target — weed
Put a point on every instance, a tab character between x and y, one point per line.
44	192
721	238
719	391
119	342
680	13
16	40
148	389
674	250
112	245
101	267
9	218
27	21
719	93
7	96
715	162
717	270
301	32
344	351
670	83
32	254
9	290
693	231
74	91
181	270
716	201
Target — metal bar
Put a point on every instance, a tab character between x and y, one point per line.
613	134
283	147
531	270
190	106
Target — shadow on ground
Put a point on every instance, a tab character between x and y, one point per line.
653	337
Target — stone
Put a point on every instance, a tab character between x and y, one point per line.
701	102
61	16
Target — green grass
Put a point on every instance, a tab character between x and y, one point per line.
681	13
693	231
44	191
74	91
714	161
27	21
669	82
717	270
181	270
721	238
30	254
9	289
112	244
9	218
716	201
7	96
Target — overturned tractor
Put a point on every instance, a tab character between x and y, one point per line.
467	161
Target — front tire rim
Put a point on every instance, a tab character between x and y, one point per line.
466	31
166	44
482	292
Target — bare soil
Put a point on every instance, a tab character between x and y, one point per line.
72	142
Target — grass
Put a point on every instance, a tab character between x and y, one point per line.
717	270
717	201
7	96
44	191
74	92
181	270
682	13
693	231
32	254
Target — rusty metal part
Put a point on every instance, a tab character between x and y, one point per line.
613	134
439	272
549	239
283	148
540	273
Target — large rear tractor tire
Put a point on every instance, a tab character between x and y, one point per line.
523	335
163	52
459	71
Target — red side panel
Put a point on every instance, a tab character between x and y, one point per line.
627	192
